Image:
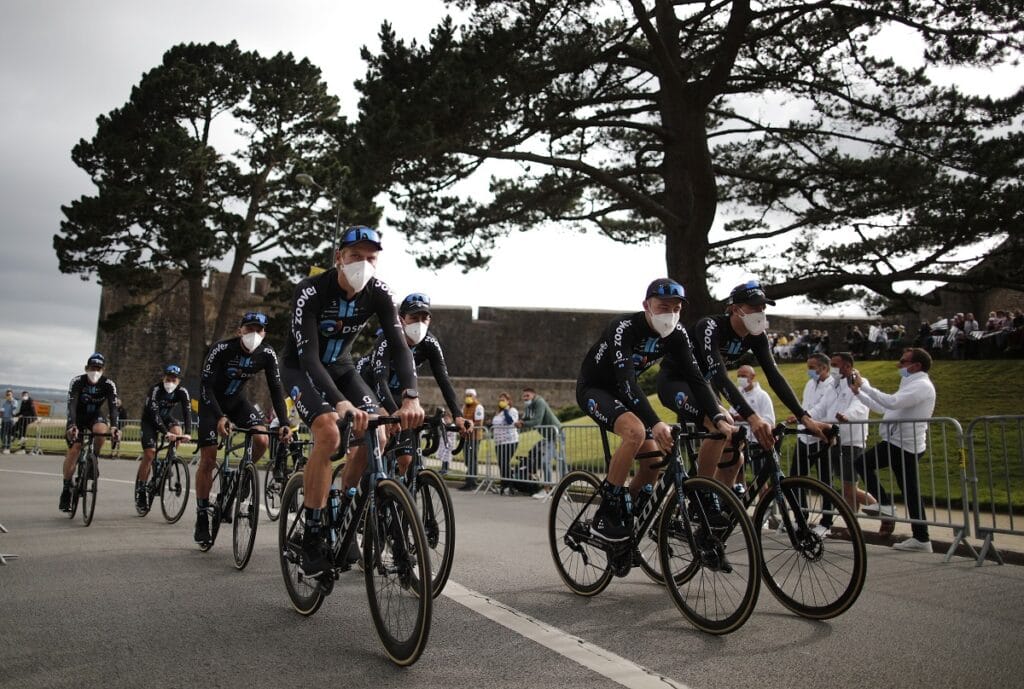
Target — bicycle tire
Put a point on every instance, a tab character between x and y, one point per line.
246	516
304	592
819	577
397	573
584	568
712	571
273	491
91	485
174	490
77	486
650	559
143	511
434	506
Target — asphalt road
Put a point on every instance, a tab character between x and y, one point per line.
131	602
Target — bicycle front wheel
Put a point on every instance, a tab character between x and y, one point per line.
174	490
397	571
247	515
77	489
817	565
214	511
583	566
434	505
709	556
273	490
90	484
304	592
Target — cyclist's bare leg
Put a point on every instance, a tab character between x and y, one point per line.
631	430
98	442
644	473
147	461
403	464
316	481
70	458
259	444
204	474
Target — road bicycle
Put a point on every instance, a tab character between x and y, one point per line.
276	477
428	490
238	498
170	479
396	564
87	477
813	557
705	540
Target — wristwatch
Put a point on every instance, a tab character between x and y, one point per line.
409	394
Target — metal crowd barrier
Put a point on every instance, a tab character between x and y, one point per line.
995	450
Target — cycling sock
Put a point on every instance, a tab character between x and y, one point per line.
313	519
67	483
202	505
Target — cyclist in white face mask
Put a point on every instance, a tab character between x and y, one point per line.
86	396
228	367
719	341
608	391
167	407
328	312
415	317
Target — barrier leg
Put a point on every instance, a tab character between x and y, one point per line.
985	547
959	536
4	557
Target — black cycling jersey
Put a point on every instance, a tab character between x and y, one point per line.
85	399
325	324
159	408
627	348
717	345
377	371
227	369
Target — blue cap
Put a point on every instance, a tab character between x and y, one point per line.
416	302
172	370
666	288
749	292
360	233
96	360
254	318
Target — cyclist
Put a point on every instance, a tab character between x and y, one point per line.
158	416
414	315
609	393
86	395
721	340
229	365
328	312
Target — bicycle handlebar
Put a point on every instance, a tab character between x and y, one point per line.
434	426
346	442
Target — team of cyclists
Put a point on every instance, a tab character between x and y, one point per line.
325	383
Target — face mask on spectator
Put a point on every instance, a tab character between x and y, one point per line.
904	373
93	376
502	404
469	399
812	374
834	372
24	398
743	382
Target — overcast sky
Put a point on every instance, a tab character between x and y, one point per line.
64	63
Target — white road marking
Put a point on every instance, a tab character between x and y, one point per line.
46	473
601	661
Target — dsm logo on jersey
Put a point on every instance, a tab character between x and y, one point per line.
680	399
295	393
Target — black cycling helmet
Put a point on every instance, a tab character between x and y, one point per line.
254	318
360	233
749	292
96	360
417	302
666	288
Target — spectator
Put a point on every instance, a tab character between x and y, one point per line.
970	324
506	439
26	417
8	410
537	415
847	408
472	409
924	336
992	324
855	339
902	442
818	391
754	394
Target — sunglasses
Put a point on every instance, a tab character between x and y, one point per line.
669	289
254	317
360	234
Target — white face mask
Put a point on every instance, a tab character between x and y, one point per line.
664	323
743	382
252	340
358	274
755	323
415	331
170	387
834	372
93	376
24	398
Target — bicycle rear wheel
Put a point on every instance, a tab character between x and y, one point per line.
174	490
434	506
142	511
583	567
305	593
397	572
650	559
812	574
247	515
709	556
90	485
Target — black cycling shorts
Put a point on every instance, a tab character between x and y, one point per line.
150	432
85	422
239	411
602	406
677	396
310	403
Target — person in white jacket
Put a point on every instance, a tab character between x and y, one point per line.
849	411
904	440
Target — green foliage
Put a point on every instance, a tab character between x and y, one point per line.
640	119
